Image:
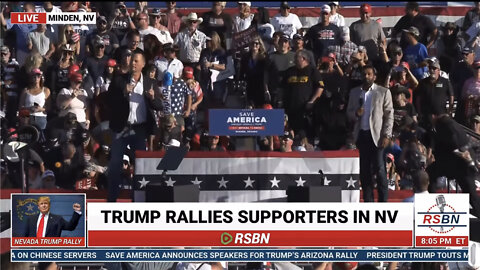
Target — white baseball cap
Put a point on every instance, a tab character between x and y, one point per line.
246	3
326	8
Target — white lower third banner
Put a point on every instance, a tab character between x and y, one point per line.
249	224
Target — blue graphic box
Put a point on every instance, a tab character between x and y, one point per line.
25	205
246	122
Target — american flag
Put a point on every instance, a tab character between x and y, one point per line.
252	176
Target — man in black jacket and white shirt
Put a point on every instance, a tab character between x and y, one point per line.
133	99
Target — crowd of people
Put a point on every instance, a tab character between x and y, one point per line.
145	79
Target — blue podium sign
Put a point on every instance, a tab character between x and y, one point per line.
246	122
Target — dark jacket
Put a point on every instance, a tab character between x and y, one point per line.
55	225
448	136
119	103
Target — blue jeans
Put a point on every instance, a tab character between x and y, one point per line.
372	162
137	139
39	121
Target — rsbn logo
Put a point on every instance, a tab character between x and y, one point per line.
245	238
441	217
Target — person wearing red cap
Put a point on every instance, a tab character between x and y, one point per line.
73	69
36	98
197	98
392	176
103	82
75	100
401	74
330	111
368	32
329	65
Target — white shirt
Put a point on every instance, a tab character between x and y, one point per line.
190	45
367	106
240	24
337	19
77	106
30	101
193	266
288	25
138	107
175	67
55	9
40	42
52	29
45	221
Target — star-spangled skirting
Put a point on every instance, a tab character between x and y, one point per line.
250	182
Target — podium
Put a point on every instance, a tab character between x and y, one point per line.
314	194
159	192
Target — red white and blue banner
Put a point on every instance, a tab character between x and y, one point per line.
247	176
309	12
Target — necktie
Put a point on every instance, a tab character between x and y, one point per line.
40	227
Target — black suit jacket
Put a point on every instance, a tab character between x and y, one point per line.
118	102
448	136
55	225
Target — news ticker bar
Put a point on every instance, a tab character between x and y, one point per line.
244	255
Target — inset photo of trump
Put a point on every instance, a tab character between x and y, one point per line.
48	220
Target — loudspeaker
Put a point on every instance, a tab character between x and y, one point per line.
155	192
314	194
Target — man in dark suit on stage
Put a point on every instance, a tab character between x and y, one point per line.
46	224
132	101
450	146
